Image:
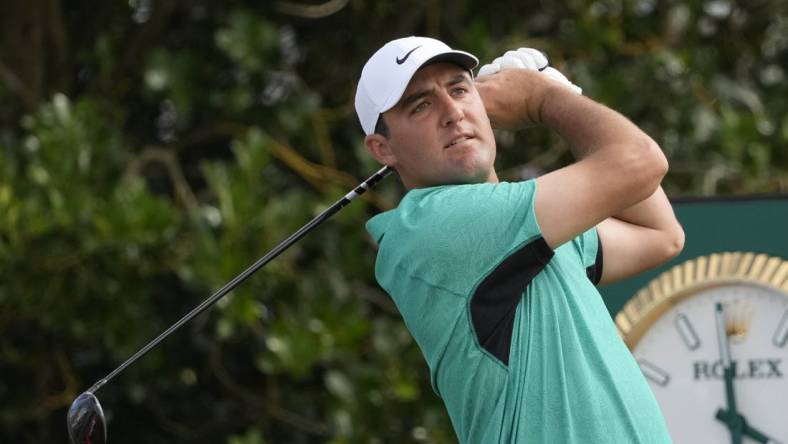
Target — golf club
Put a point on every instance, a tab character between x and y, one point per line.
85	420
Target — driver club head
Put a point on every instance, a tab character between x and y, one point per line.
85	420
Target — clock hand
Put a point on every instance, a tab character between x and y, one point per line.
755	434
733	423
746	429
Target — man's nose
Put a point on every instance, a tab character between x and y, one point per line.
453	111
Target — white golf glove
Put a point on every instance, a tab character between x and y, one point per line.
527	58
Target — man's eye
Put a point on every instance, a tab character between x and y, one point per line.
459	91
421	107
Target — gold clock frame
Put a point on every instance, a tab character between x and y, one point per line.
686	279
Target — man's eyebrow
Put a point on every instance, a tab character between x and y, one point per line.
459	78
416	96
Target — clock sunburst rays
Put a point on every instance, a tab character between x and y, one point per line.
686	279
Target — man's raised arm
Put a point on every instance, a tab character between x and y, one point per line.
617	173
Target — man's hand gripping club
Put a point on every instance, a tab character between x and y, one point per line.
529	59
513	87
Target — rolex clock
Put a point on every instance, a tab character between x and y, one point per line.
711	338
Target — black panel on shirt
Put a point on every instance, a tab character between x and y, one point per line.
495	299
594	271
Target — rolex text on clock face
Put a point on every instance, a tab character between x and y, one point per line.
680	356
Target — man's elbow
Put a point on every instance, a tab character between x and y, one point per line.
675	234
674	242
644	169
654	166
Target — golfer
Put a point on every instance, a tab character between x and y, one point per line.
496	280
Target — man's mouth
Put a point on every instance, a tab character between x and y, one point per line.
458	140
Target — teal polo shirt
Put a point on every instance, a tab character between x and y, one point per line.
519	343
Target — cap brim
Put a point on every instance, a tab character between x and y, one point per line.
461	58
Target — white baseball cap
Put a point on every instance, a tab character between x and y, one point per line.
388	72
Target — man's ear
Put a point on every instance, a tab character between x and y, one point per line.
379	147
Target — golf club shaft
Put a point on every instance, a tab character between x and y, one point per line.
330	211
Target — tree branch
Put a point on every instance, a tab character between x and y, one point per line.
58	38
311	11
323	140
149	33
274	410
316	174
168	158
377	298
69	392
16	86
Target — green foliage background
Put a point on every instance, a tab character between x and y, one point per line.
150	151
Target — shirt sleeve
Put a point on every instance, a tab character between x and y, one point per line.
502	213
591	252
452	236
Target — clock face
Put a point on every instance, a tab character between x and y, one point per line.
680	357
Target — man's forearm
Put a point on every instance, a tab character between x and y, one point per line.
654	212
516	98
639	238
587	125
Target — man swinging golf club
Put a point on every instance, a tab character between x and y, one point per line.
495	280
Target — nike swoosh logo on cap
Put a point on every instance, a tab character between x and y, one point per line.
400	61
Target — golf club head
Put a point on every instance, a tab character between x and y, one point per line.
85	420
